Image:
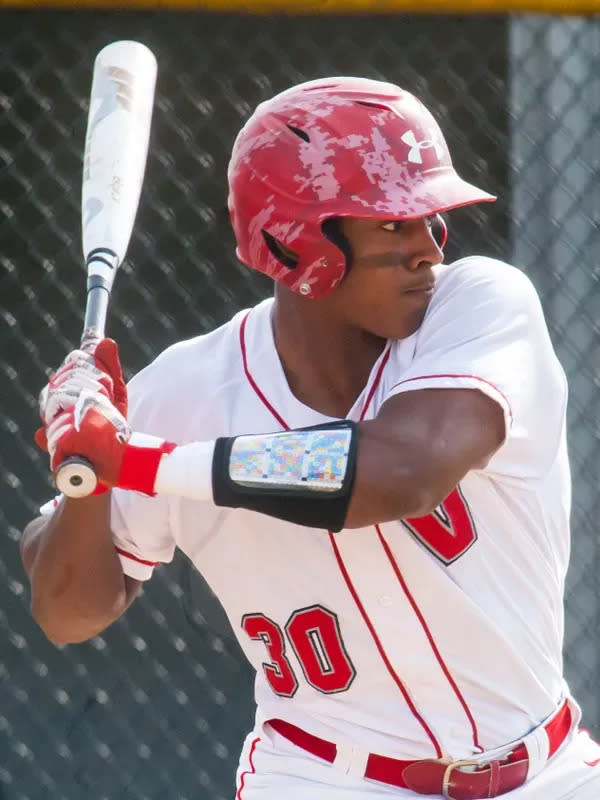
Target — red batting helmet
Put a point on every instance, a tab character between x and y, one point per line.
334	147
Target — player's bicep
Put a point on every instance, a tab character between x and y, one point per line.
445	433
418	448
485	331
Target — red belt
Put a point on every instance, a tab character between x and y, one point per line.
455	780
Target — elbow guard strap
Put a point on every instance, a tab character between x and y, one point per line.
304	476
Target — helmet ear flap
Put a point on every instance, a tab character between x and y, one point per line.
332	230
439	230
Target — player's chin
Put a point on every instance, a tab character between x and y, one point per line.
406	323
397	318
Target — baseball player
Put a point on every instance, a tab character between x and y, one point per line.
369	469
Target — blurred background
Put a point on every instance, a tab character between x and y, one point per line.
157	707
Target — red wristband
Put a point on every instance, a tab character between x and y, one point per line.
140	465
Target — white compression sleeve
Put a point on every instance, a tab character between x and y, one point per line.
187	471
304	476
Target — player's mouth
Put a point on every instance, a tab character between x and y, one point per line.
423	290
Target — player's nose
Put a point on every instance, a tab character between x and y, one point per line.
425	250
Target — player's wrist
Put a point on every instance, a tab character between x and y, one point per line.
142	456
187	471
304	476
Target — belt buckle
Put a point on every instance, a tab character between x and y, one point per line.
450	767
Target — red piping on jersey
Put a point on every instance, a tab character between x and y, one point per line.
472	377
250	771
429	636
135	558
341	565
268	405
384	361
251	380
382	653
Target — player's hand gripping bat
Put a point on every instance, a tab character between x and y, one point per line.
116	146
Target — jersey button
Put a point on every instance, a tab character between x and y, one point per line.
385	600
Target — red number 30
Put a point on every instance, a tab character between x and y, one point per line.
314	632
315	637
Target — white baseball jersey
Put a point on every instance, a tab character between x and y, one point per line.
416	638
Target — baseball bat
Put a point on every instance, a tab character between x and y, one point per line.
116	148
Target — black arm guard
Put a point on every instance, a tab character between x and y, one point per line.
301	505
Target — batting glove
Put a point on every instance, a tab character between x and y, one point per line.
89	379
97	431
84	410
94	368
92	428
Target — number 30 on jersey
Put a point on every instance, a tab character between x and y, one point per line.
314	632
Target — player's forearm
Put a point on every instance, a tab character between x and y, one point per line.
77	584
308	477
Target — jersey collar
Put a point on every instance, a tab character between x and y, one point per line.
266	377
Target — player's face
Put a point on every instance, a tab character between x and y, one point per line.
390	284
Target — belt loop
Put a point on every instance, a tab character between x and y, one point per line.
576	714
538	748
351	760
543	741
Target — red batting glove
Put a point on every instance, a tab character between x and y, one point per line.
106	356
95	368
95	430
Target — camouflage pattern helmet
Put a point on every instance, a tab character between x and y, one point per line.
334	147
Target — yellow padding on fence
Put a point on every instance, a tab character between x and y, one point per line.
328	6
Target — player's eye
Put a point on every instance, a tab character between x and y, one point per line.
393	225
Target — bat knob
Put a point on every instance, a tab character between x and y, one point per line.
76	477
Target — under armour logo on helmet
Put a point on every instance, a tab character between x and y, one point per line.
414	154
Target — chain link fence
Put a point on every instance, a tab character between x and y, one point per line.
158	705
